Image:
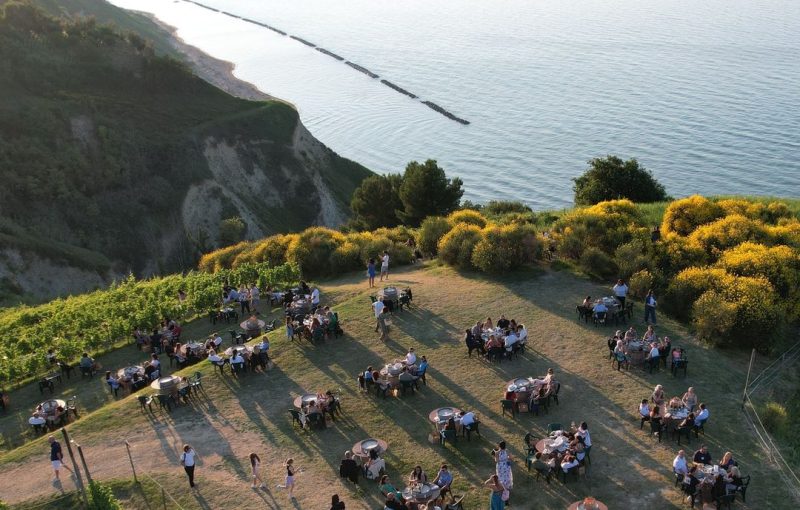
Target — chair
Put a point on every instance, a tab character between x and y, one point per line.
66	368
584	313
165	401
700	427
725	501
45	383
185	393
196	382
144	400
237	368
407	385
552	427
444	435
72	406
509	405
296	417
87	372
469	429
599	318
546	473
742	489
554	392
219	365
316	421
684	431
382	389
457	502
656	428
572	471
680	364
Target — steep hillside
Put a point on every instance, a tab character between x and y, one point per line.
115	158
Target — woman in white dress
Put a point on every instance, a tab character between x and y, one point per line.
503	466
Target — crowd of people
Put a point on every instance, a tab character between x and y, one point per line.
705	480
496	341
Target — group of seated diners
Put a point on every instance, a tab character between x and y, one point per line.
241	357
568	456
411	369
683	414
312	413
704	479
322	322
536	391
624	345
466	420
168	332
496	341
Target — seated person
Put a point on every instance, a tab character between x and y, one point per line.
387	488
522	334
727	461
511	393
702	416
368	375
405	376
599	307
393	502
690	481
374	466
689	399
649	335
510	340
87	364
587	303
477	330
702	456
655	417
502	322
444	479
349	467
630	334
467	419
679	465
664	346
495	346
263	346
654	353
237	358
658	395
644	411
217	341
215	358
450	424
417	476
733	479
155	362
137	382
540	465
411	357
313	408
149	370
569	462
687	424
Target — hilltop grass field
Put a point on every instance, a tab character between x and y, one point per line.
232	417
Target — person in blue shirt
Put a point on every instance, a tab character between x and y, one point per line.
56	456
444	479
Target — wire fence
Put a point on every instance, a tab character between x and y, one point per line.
758	388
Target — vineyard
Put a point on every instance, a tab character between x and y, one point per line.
94	322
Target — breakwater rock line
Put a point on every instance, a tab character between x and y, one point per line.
433	106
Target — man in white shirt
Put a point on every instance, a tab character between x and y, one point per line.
215	358
510	340
621	292
411	357
702	416
679	464
583	431
385	265
467	418
569	463
314	297
255	297
378	307
522	333
217	341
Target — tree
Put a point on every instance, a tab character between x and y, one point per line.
231	231
376	200
426	191
610	178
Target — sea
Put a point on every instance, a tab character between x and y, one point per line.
706	94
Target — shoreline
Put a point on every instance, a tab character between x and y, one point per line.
213	70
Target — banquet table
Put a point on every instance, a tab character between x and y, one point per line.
362	448
241	348
195	347
253	328
49	406
422	493
126	373
300	400
169	384
579	505
392	369
440	415
550	445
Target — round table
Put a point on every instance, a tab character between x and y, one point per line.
578	505
308	397
541	445
49	406
442	414
193	347
362	448
427	492
253	328
167	384
392	369
127	372
240	348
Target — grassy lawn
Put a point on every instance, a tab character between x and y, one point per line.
630	469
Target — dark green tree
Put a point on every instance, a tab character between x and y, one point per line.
376	200
426	191
231	231
611	178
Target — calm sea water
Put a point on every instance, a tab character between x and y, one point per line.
705	94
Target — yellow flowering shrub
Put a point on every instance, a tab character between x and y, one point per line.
604	226
683	216
785	232
724	233
312	250
432	230
640	283
503	248
222	258
467	216
456	246
687	286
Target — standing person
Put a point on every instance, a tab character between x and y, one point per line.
378	307
385	265
371	272
314	298
244	299
382	325
496	498
255	464
290	471
188	461
621	292
56	456
650	307
289	328
503	467
336	504
255	297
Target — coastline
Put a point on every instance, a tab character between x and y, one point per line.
213	70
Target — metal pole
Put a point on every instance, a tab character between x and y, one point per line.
747	381
78	476
164	497
83	461
130	458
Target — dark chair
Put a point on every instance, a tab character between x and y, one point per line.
66	368
572	471
382	389
469	429
683	431
296	417
87	372
584	313
546	473
509	405
48	384
219	365
196	382
144	400
444	435
642	420
553	394
552	427
237	368
457	502
700	427
599	318
406	386
316	421
656	428
742	489
165	402
725	501
680	364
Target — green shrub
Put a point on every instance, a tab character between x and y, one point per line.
683	216
430	232
507	247
604	226
101	498
596	262
774	418
687	287
640	283
456	246
231	231
503	207
467	216
610	178
633	256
